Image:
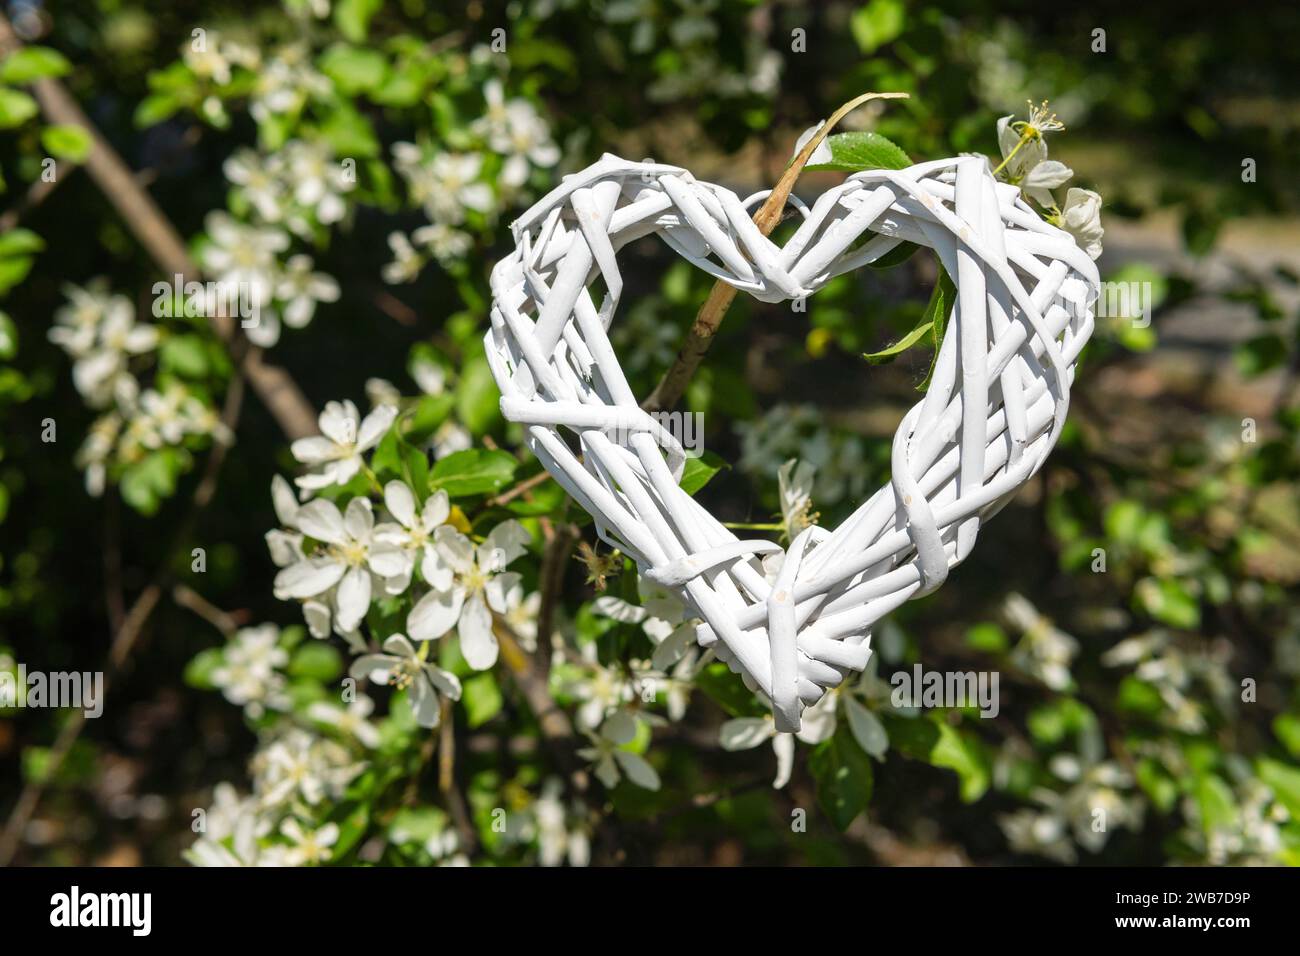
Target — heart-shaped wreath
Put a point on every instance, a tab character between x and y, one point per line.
994	408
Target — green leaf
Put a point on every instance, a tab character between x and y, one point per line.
482	699
877	23
1168	601
351	829
1157	784
349	133
33	63
895	256
150	480
352	17
942	745
987	637
155	108
934	320
698	471
430	413
20	242
316	660
478	402
16	108
1261	354
353	70
844	778
198	672
185	355
8	337
961	754
1287	729
1284	781
1215	800
853	152
728	691
474	471
14	271
67	142
891	352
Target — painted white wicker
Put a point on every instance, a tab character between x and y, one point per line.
993	411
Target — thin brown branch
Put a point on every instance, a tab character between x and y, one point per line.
191	600
670	388
155	232
451	794
514	491
555	560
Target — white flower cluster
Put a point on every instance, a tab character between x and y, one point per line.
340	561
1025	163
296	190
109	348
449	186
296	772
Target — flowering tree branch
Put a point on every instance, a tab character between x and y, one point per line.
150	225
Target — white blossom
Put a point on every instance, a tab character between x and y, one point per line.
403	666
344	438
478	587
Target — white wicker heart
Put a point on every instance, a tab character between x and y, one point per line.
994	409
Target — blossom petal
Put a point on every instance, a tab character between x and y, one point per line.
390	562
400	503
284	500
1047	175
454	548
317	616
435	614
353	598
320	519
498	588
436	510
338	422
745	733
399	645
425	703
477	642
308	578
503	544
375	425
638	769
359	519
314	450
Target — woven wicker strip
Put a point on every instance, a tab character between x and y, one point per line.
993	411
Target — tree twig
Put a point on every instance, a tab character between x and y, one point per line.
191	600
451	794
670	388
